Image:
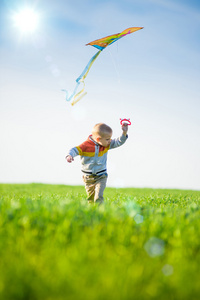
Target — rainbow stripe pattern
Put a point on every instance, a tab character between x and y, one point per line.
100	44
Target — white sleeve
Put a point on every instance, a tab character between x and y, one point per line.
118	141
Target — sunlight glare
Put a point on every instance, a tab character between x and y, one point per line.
26	20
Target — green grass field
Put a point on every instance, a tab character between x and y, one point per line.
140	244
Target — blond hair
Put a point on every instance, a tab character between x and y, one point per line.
101	129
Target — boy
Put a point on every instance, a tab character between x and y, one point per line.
93	154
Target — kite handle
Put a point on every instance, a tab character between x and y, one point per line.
122	121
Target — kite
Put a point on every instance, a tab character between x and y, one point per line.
100	44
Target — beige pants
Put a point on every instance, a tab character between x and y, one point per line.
95	186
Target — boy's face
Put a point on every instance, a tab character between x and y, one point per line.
105	139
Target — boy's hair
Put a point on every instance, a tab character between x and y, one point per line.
101	129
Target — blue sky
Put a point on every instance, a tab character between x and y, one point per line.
151	76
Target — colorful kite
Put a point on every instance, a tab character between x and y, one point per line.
100	44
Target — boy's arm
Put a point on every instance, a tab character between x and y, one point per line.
120	140
71	154
125	128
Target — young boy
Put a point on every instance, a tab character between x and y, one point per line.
93	153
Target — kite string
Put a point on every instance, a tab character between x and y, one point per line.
115	66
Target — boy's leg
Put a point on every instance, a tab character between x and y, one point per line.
99	188
89	187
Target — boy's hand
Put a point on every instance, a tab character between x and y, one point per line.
125	128
69	158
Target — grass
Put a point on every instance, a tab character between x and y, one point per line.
141	244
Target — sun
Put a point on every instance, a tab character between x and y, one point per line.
26	20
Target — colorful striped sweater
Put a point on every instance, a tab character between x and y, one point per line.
94	156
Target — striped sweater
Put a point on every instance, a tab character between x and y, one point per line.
94	156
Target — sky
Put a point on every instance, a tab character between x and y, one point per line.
151	76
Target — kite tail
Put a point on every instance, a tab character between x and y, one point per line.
79	95
70	97
75	97
87	68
